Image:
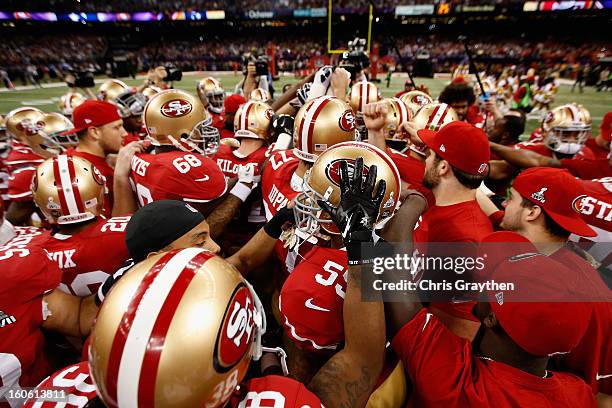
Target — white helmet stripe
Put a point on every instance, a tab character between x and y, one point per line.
64	172
244	117
403	110
308	121
142	326
575	113
440	113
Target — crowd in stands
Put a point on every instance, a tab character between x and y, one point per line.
48	53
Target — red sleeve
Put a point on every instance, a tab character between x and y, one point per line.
437	361
579	168
19	184
496	219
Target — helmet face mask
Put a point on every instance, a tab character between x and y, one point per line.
54	125
131	104
567	128
206	138
567	141
216	98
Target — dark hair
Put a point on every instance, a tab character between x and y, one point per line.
515	125
551	225
457	92
467	180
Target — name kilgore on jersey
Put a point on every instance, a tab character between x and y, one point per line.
227	166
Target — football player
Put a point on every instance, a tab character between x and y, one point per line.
231	105
361	94
30	303
36	136
69	192
320	124
68	102
111	89
212	96
131	106
100	134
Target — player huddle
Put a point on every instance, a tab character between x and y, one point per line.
176	249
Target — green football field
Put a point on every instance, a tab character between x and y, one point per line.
598	103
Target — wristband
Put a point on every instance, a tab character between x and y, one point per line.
274	227
241	191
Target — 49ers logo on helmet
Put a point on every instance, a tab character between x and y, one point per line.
333	170
97	176
236	332
176	108
420	100
347	121
269	113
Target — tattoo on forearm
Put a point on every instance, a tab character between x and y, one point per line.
336	386
222	215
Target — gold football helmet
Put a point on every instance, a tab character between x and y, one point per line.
175	117
362	93
69	101
25	125
68	189
111	89
566	128
432	116
4	138
321	123
211	92
178	330
54	125
252	121
151	91
397	113
415	99
322	182
260	94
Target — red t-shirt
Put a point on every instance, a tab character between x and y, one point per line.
444	373
78	256
106	170
74	382
176	175
312	297
591	359
588	169
27	274
230	162
462	222
411	170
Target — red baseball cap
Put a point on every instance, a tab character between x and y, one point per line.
233	102
606	127
539	314
559	195
461	144
311	312
92	113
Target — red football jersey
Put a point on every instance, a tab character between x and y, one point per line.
86	259
27	274
73	384
536	135
591	359
279	184
176	175
218	119
595	151
230	161
20	183
588	169
535	146
275	391
411	170
22	156
462	222
312	297
444	372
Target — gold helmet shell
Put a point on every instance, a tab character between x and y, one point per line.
252	120
432	116
415	99
211	93
397	113
175	117
111	89
23	123
361	94
566	128
322	182
68	190
54	125
260	94
69	101
151	91
178	330
320	124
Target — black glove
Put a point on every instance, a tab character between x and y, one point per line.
274	227
357	213
111	280
281	124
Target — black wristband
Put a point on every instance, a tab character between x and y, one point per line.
274	227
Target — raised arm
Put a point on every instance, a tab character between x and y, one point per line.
523	158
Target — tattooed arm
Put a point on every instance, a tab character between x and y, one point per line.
349	377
